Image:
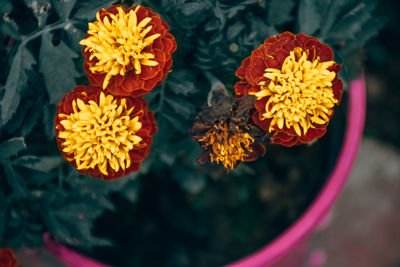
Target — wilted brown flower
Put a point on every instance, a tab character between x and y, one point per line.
224	130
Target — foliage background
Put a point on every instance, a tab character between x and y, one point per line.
41	61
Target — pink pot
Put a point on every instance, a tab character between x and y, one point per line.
287	242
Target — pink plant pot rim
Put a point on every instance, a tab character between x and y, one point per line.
273	251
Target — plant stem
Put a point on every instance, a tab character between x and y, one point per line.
48	28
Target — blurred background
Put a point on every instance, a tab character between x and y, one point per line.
363	228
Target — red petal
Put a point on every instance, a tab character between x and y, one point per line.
241	88
263	124
302	38
337	87
142	12
151	83
241	71
132	82
313	134
260	104
324	52
255	70
168	45
270	40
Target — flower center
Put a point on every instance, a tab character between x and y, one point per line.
227	147
119	43
100	133
300	94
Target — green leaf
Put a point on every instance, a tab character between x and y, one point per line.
15	181
88	9
181	82
43	164
55	227
11	147
368	31
63	7
331	10
279	11
7	24
32	117
16	80
234	30
181	106
175	121
49	111
309	17
57	65
351	23
193	7
75	35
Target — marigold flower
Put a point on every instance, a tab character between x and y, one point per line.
225	133
104	135
128	51
7	258
295	81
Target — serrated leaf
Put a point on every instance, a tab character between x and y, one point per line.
11	147
369	30
16	80
88	9
75	35
57	66
234	30
49	111
63	7
7	24
176	122
55	227
43	164
279	11
180	82
261	30
33	117
15	181
331	9
351	23
181	106
192	7
309	17
212	24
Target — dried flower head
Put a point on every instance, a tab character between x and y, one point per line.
295	81
224	130
104	135
128	51
7	258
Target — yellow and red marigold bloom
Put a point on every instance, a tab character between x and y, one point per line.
103	135
295	81
7	258
128	51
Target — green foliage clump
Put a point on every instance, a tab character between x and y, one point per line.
41	61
